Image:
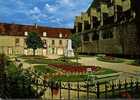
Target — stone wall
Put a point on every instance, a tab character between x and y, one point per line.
123	41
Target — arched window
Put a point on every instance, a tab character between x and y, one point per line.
60	42
107	35
95	36
86	37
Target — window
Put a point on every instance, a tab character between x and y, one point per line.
107	35
25	41
53	42
25	33
86	38
60	42
44	43
44	34
95	36
79	27
60	35
86	25
17	42
65	35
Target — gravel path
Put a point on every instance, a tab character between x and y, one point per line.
123	67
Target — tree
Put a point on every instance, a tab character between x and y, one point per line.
76	43
3	64
34	41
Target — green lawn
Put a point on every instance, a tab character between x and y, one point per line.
135	63
84	77
42	69
31	57
70	78
12	69
47	61
104	71
111	60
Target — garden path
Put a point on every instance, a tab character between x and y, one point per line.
122	67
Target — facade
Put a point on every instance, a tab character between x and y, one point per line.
108	26
13	39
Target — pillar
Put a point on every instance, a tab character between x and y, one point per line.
115	14
90	37
76	27
91	23
82	45
83	27
102	19
100	35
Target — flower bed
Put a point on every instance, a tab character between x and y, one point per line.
110	59
75	69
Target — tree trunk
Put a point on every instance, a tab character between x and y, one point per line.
2	73
34	52
76	55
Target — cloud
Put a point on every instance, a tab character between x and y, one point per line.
58	13
50	8
35	10
36	14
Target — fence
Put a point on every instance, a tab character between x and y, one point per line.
83	90
122	88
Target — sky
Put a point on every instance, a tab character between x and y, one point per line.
52	13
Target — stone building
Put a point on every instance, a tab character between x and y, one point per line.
13	37
108	26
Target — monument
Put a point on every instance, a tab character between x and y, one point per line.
69	51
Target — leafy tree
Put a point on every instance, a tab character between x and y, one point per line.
3	64
34	41
21	81
76	41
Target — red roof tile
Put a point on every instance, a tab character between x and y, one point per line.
18	30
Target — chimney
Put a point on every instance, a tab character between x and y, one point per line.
36	26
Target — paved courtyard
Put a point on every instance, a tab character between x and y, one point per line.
123	67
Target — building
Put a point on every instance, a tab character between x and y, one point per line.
13	39
108	26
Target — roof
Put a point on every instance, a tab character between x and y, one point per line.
19	30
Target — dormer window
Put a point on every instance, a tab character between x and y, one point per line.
65	35
44	34
60	35
26	33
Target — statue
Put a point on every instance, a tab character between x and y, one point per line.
69	51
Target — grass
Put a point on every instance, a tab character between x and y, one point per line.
42	69
48	61
105	71
67	58
70	78
84	77
111	60
11	69
31	57
135	63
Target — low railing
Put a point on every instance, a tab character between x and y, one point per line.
38	87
